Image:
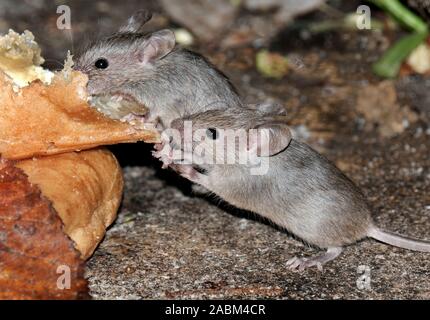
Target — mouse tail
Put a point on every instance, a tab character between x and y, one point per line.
399	241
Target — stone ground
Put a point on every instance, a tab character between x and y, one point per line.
170	243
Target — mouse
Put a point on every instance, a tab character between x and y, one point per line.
160	79
300	190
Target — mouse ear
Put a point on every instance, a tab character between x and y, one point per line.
136	21
158	45
269	139
269	108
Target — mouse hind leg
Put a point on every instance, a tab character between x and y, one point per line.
300	264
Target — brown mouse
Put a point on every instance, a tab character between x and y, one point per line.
300	190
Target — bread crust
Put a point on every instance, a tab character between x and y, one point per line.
45	120
85	188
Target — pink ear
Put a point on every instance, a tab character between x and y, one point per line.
158	45
269	139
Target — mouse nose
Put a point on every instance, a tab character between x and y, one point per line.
81	67
77	67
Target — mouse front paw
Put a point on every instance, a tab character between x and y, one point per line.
164	153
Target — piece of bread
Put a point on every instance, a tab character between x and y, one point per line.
44	112
85	188
44	120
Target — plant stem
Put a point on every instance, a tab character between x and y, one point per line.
402	14
389	65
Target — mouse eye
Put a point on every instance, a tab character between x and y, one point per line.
101	63
212	133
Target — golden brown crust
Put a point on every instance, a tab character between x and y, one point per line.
85	189
45	120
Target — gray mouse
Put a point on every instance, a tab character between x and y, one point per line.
300	191
155	74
